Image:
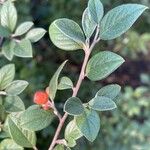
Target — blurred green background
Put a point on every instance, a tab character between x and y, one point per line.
126	128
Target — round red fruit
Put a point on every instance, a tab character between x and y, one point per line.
40	97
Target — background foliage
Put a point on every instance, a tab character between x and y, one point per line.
125	128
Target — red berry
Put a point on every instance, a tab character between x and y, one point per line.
40	97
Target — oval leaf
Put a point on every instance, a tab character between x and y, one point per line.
101	103
110	91
7	74
8	15
89	124
74	106
118	20
102	65
13	104
22	137
53	85
9	144
35	119
65	83
4	32
96	10
36	34
16	87
66	34
88	24
23	28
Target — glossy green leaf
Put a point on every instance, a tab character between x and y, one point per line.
74	106
102	65
8	49
65	83
59	147
4	32
8	15
16	87
88	24
110	91
101	103
72	133
35	119
7	74
53	85
96	10
9	144
118	20
23	48
13	104
23	28
66	34
89	124
36	34
22	137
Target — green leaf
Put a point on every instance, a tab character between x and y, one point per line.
22	137
59	147
7	74
16	87
74	106
88	24
4	32
72	133
23	48
101	103
110	91
23	28
13	104
36	34
118	20
66	34
89	124
96	10
9	144
8	15
65	83
36	119
53	85
102	65
8	49
2	113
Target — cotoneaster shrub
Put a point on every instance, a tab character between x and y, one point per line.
18	125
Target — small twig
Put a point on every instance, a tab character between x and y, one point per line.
56	111
35	148
3	93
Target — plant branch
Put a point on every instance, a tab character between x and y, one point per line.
77	87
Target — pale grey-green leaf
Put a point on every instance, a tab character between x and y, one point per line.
16	87
96	10
59	147
88	24
36	34
13	104
23	48
8	15
23	28
2	113
22	137
65	83
102	65
66	34
7	74
36	119
101	103
110	91
4	32
53	85
9	144
8	49
89	124
118	20
74	106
